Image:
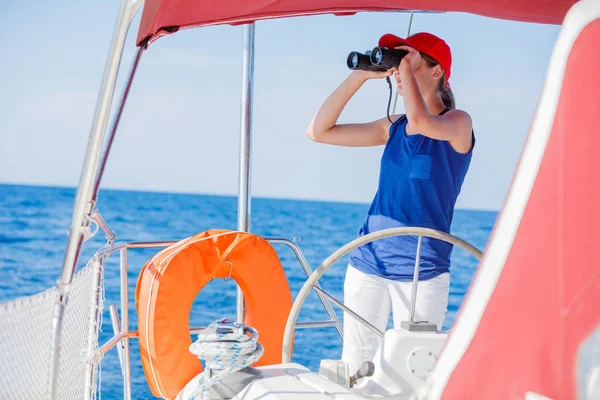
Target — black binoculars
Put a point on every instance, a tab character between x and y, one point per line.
378	59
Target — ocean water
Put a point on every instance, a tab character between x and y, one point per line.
34	222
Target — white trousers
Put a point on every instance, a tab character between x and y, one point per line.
373	297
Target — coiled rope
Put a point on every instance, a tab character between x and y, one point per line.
225	347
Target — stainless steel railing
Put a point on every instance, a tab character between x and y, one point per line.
120	323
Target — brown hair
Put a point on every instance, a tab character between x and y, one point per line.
444	89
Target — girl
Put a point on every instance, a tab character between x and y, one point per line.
426	157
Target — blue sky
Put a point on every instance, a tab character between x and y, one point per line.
180	129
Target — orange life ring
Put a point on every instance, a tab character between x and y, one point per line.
171	280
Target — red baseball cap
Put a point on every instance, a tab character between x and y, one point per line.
425	43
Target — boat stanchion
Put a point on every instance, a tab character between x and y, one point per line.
116	327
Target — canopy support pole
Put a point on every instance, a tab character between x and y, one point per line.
83	201
115	124
244	196
412	13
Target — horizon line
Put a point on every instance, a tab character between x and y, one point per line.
163	191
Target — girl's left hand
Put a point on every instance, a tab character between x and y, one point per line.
412	59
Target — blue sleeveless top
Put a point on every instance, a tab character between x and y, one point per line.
419	181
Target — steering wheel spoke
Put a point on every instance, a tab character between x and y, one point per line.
350	312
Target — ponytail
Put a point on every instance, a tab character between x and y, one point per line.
445	91
447	95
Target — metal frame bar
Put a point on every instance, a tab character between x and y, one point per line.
135	6
108	233
108	250
115	124
123	263
116	326
410	21
245	157
82	207
332	315
113	341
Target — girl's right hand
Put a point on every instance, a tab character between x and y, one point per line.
366	75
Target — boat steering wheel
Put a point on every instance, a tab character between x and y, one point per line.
311	282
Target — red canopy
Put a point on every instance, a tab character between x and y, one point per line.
534	305
164	16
